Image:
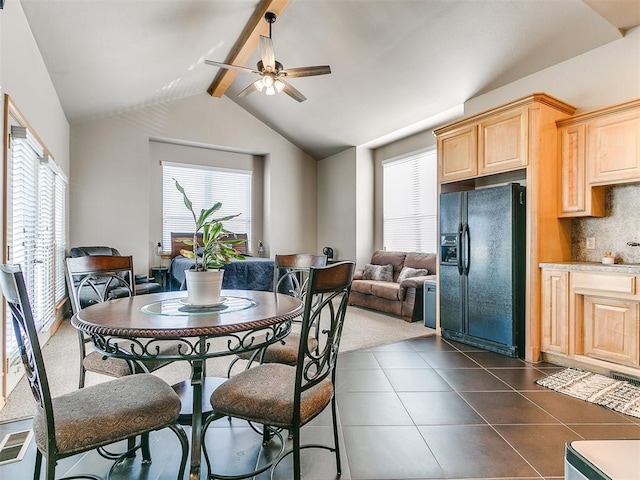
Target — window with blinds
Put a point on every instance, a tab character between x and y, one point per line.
204	187
36	207
410	203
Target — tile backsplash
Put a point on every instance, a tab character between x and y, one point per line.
621	224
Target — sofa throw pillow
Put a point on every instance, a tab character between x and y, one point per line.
383	273
408	272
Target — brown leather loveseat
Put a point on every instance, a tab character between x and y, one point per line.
393	283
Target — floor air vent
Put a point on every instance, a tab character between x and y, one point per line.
14	445
620	376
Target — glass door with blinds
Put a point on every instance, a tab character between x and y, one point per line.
35	233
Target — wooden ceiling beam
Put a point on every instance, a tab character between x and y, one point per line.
246	45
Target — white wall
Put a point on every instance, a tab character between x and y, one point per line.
605	76
364	205
602	77
111	192
337	204
25	79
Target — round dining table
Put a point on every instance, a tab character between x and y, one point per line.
139	327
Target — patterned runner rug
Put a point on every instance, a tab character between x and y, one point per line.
618	395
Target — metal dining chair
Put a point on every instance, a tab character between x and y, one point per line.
290	276
92	417
96	279
287	397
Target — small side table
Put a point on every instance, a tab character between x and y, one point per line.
161	275
429	305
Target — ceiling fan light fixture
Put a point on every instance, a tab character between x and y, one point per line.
268	80
270	70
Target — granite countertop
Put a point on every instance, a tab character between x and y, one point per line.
594	266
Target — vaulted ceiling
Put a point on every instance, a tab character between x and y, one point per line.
395	63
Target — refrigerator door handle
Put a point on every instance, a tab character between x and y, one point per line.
467	248
459	249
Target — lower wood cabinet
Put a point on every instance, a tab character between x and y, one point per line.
611	329
592	318
555	311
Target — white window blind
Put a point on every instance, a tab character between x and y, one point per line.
60	236
36	205
204	187
43	299
410	203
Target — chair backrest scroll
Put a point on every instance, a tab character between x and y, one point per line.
327	295
15	293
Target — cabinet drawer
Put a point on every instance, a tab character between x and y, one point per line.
603	282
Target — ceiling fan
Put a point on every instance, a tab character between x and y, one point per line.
272	73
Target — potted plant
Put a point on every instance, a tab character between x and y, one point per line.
204	281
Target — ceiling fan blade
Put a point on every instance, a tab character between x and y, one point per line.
231	67
293	92
306	71
249	89
266	53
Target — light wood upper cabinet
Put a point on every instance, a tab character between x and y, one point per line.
613	148
596	149
457	153
503	141
577	198
555	311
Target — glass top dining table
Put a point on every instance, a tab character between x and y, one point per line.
136	327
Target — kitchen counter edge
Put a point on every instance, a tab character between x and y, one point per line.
592	266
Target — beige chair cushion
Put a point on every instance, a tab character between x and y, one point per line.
108	412
98	363
117	367
264	394
285	351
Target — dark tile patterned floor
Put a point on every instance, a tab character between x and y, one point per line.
418	409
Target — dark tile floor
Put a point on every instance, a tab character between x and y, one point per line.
418	409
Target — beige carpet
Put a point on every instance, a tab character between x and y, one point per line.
362	329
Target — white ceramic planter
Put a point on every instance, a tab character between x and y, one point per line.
204	287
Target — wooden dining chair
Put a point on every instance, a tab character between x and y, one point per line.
291	271
290	276
96	279
92	417
287	397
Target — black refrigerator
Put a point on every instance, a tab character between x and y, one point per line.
482	268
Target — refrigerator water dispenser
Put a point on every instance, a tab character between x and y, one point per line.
449	249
